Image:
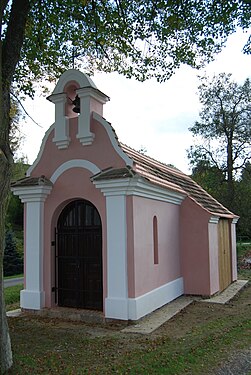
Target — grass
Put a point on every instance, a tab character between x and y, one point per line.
243	252
13	276
12	297
195	342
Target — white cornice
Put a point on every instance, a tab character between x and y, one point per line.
32	193
214	219
137	186
235	220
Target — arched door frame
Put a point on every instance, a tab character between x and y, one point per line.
78	256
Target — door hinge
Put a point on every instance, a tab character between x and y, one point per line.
53	243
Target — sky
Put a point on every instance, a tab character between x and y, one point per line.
150	115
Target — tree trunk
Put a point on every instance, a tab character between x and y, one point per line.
6	353
230	181
10	49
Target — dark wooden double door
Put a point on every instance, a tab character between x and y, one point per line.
79	257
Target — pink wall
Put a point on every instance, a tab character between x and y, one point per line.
74	183
146	274
195	248
101	152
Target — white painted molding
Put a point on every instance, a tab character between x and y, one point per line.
113	139
214	219
37	193
61	136
116	305
235	220
138	186
40	153
73	75
74	163
32	297
32	300
145	304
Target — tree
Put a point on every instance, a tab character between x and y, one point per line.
211	178
12	261
224	130
242	202
143	38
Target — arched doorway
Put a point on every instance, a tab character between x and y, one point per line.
79	256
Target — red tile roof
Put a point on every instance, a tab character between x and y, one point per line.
172	178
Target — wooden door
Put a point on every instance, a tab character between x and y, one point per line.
79	257
225	263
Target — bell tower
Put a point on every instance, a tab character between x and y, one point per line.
75	95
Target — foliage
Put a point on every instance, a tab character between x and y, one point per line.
224	131
242	202
16	136
137	38
211	178
12	296
12	262
213	181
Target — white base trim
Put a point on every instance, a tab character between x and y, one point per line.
116	308
31	299
135	308
151	301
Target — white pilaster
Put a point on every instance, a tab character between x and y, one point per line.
86	95
116	303
61	136
32	297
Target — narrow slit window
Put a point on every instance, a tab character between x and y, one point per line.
155	241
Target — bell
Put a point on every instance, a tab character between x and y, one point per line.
76	102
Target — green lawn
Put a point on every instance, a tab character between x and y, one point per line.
14	276
12	297
195	342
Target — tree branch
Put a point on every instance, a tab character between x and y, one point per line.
27	114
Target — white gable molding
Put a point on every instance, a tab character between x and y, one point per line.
113	139
74	163
40	153
73	75
138	186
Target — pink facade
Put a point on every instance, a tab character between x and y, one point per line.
154	242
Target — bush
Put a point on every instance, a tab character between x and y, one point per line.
12	261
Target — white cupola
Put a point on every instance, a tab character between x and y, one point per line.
75	91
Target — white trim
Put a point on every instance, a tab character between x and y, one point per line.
32	193
34	196
214	219
73	75
138	186
116	306
74	163
40	153
30	299
235	220
145	304
113	139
